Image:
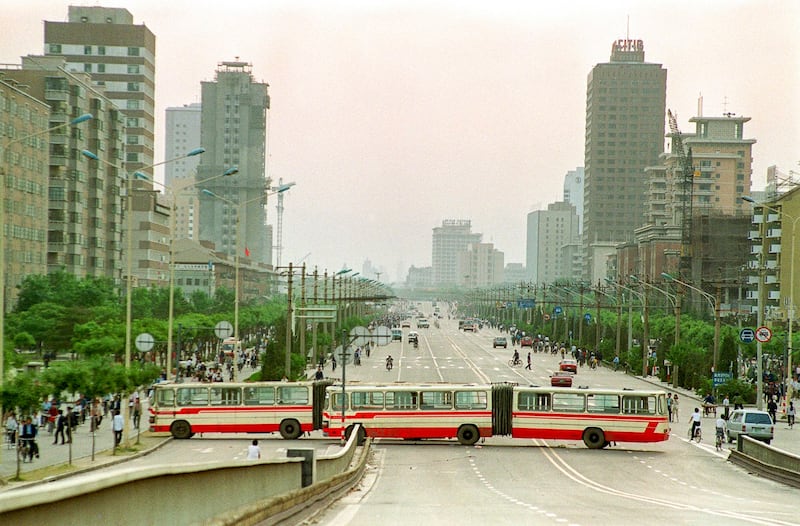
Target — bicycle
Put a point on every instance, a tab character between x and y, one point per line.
698	434
720	438
515	363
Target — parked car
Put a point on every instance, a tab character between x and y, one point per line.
526	341
561	379
751	422
500	341
568	364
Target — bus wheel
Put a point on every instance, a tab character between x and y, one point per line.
290	429
181	429
468	434
360	438
594	438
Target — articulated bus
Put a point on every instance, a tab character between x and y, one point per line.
469	412
465	412
290	408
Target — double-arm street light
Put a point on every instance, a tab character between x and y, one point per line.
645	323
129	256
674	300
790	313
263	197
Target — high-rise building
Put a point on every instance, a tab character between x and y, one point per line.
480	265
573	193
234	133
625	112
182	135
23	186
84	197
449	240
120	56
551	237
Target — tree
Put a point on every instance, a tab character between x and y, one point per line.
24	392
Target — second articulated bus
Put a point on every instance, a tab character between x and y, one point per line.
468	412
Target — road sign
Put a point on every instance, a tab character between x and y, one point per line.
526	303
747	335
763	334
223	330
319	313
587	317
145	342
546	317
720	378
557	310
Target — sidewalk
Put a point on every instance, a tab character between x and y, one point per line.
786	439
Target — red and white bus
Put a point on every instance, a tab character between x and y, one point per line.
263	407
468	412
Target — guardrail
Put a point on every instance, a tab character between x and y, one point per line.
766	461
241	492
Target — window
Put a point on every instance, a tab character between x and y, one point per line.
471	400
534	401
133	86
259	396
292	395
639	405
101	50
132	122
192	396
133	69
55	48
568	402
225	395
165	397
435	400
133	104
101	68
132	157
87	68
401	400
602	403
367	400
87	50
133	51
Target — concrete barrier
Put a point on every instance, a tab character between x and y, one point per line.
182	494
766	461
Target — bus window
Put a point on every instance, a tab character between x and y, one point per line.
366	400
435	400
602	403
639	405
192	396
401	400
293	395
471	400
259	396
225	395
165	397
336	401
568	402
527	401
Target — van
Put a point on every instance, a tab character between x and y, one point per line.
750	422
397	335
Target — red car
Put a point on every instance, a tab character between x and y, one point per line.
568	365
526	341
561	379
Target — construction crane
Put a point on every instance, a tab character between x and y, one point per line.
280	190
686	168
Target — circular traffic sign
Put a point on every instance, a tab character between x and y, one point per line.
546	317
763	334
360	336
145	342
223	330
747	335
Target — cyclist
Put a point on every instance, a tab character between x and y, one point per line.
696	420
389	362
720	425
516	359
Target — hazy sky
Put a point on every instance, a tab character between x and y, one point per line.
394	115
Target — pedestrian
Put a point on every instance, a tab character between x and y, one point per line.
28	437
11	427
528	367
61	424
137	411
669	406
333	363
117	424
772	409
253	451
726	406
676	413
319	375
790	414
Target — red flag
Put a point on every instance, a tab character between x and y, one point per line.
246	251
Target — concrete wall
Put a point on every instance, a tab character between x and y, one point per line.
767	461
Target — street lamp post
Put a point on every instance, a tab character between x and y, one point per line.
790	313
129	260
645	322
279	190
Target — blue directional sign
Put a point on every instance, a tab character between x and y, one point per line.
526	303
747	335
587	317
557	310
720	378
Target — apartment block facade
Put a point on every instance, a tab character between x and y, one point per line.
449	240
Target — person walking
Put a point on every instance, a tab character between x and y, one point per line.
772	409
669	406
117	424
676	414
528	367
61	424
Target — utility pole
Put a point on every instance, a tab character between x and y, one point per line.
288	364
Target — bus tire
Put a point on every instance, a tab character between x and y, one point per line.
290	429
360	438
468	434
594	438
181	429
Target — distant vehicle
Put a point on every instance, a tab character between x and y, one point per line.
561	379
397	335
500	341
750	422
413	337
526	341
406	324
568	365
422	323
470	326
